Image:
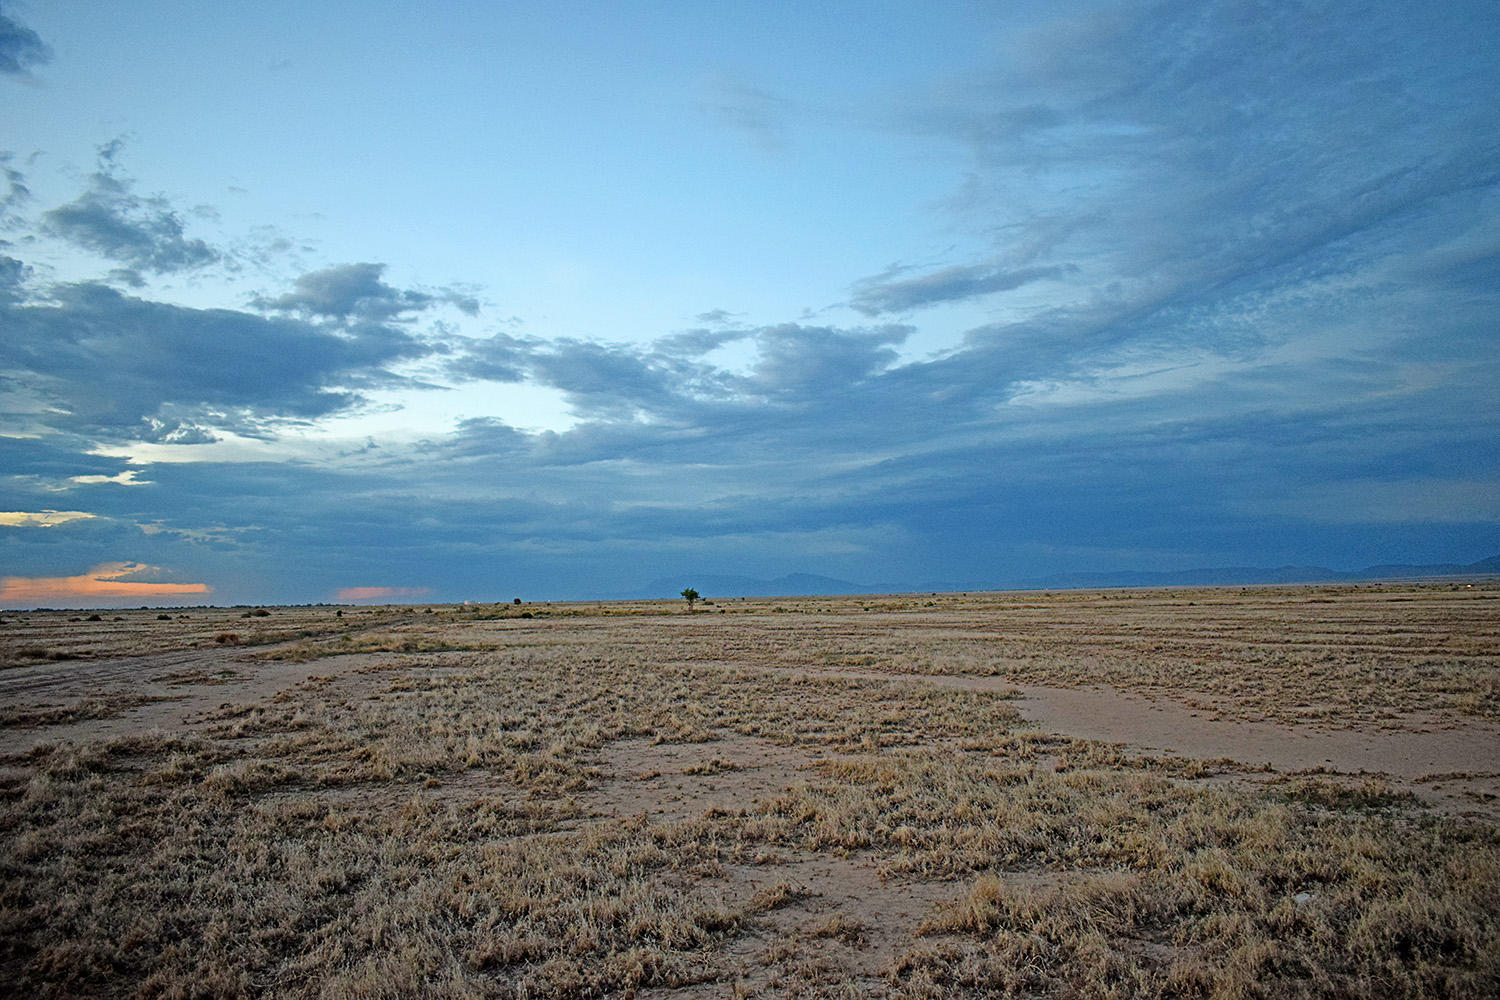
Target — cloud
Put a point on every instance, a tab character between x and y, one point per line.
110	220
883	293
795	365
126	478
20	48
696	343
1256	300
17	193
40	518
1382	501
755	113
380	593
35	467
717	316
801	363
13	274
357	291
105	363
105	584
1171	149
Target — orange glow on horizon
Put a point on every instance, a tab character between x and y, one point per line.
100	583
377	593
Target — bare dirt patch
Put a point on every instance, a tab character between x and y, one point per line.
673	781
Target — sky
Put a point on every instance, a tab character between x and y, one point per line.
440	302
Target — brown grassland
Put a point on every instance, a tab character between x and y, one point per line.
914	796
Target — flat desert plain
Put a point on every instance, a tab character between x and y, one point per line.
1221	792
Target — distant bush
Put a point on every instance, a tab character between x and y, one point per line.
227	638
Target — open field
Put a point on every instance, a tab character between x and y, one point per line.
1230	793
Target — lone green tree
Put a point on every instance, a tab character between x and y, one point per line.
691	596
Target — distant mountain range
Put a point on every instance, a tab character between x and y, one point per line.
811	585
1252	574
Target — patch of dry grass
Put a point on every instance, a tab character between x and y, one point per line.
1298	655
377	643
104	707
423	827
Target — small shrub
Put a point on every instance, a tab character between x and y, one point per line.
227	638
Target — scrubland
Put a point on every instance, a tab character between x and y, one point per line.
762	798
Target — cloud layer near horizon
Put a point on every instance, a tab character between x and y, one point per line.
1240	302
104	585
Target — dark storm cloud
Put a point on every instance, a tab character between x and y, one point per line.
125	367
20	48
795	365
109	219
1279	224
39	465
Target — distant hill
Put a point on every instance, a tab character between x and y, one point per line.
1256	575
812	585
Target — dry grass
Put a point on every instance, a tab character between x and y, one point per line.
90	708
423	827
376	643
1353	655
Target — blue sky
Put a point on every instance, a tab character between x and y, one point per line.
467	301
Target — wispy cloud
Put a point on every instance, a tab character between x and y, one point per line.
889	292
758	114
